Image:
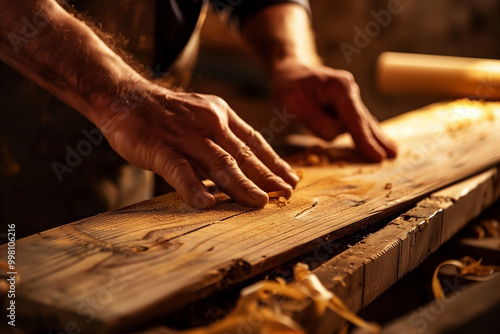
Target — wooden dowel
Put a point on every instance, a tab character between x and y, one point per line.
411	74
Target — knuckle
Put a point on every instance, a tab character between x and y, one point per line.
220	102
214	113
257	141
257	144
253	138
244	154
346	77
214	102
345	82
216	124
222	161
241	183
173	168
270	178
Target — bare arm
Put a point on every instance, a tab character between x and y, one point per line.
324	99
60	53
171	133
281	35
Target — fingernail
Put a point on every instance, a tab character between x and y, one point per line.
295	177
256	194
203	200
378	156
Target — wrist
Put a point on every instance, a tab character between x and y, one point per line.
113	91
292	62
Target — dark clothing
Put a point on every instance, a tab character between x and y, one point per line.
176	21
54	166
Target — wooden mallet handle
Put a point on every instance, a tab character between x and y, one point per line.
418	74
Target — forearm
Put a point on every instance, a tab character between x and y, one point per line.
60	53
280	35
170	133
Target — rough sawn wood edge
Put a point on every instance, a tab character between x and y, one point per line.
368	268
386	256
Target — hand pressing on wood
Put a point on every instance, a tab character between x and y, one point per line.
178	134
326	100
173	134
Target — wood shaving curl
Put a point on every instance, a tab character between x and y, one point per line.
258	301
466	266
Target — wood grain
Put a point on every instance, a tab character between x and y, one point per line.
362	272
121	268
390	253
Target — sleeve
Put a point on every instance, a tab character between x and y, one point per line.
241	10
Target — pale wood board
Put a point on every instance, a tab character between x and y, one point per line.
122	268
365	270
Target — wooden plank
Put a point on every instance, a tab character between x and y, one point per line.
421	240
387	255
365	270
122	268
468	209
487	246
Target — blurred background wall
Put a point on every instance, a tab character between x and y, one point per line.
468	28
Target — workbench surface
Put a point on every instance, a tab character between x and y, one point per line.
125	267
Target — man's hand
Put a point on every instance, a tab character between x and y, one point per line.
327	101
179	134
173	134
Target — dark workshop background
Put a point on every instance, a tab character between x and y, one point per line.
446	27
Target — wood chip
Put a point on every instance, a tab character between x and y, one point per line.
282	201
276	194
466	266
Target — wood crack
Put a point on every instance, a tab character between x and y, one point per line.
306	211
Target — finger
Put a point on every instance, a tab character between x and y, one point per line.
177	171
252	167
314	116
387	143
262	150
343	94
324	122
223	169
358	122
